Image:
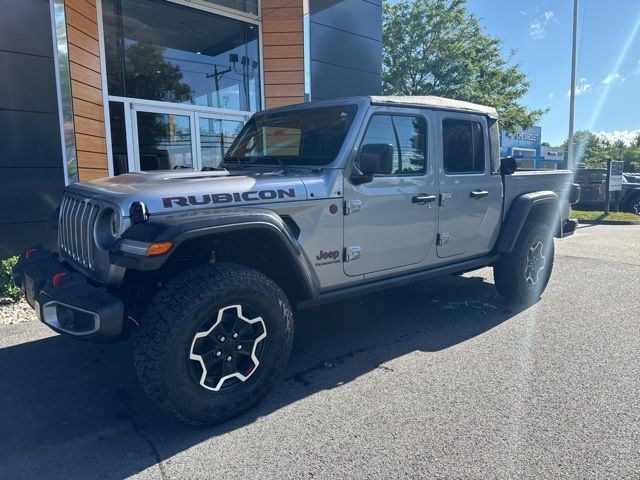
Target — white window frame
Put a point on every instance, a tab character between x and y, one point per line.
133	106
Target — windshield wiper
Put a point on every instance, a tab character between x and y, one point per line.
239	163
262	160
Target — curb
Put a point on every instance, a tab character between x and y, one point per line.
607	222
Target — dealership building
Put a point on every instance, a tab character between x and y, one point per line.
92	88
526	147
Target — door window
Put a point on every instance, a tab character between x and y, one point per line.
407	135
463	147
164	141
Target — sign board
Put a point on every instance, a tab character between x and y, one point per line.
615	176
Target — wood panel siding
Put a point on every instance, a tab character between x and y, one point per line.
282	52
86	88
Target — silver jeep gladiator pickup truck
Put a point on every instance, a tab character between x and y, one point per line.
312	203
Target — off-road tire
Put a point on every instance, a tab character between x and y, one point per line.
164	339
510	272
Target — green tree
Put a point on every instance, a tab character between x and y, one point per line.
435	47
593	152
590	151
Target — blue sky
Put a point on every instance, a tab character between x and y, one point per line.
608	73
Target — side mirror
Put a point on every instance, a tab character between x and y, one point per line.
375	159
508	165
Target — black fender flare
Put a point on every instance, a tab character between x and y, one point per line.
181	227
518	213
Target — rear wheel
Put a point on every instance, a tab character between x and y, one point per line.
522	275
213	342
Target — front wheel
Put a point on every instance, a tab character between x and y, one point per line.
522	275
213	342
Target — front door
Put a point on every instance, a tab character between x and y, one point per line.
470	199
390	222
177	139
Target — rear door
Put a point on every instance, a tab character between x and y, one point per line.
470	199
390	222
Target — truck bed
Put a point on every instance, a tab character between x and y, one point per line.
558	181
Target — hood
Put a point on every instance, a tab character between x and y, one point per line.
169	192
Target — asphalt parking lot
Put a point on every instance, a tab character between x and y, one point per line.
440	379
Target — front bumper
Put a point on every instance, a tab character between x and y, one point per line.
65	301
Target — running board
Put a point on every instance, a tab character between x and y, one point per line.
385	283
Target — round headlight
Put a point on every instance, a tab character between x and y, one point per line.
106	229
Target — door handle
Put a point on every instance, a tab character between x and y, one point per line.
479	194
423	198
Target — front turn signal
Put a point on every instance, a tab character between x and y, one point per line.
155	249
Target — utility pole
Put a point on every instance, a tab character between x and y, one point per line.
572	96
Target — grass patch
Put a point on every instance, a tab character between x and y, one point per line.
599	215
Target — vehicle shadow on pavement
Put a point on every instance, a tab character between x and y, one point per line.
75	410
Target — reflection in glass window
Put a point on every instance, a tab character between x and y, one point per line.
407	135
411	135
157	50
164	141
216	137
463	147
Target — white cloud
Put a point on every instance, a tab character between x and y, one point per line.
582	87
551	95
627	136
538	28
613	78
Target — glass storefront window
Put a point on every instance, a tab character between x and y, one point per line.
156	50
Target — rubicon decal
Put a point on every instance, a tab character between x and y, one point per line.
235	197
327	258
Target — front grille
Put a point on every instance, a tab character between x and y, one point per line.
75	230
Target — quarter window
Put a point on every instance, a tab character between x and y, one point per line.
463	147
407	135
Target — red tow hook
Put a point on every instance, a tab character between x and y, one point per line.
29	253
57	278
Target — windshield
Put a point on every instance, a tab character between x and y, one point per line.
310	137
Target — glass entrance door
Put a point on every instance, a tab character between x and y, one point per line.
214	138
163	139
177	139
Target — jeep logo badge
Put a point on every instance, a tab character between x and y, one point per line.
326	258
